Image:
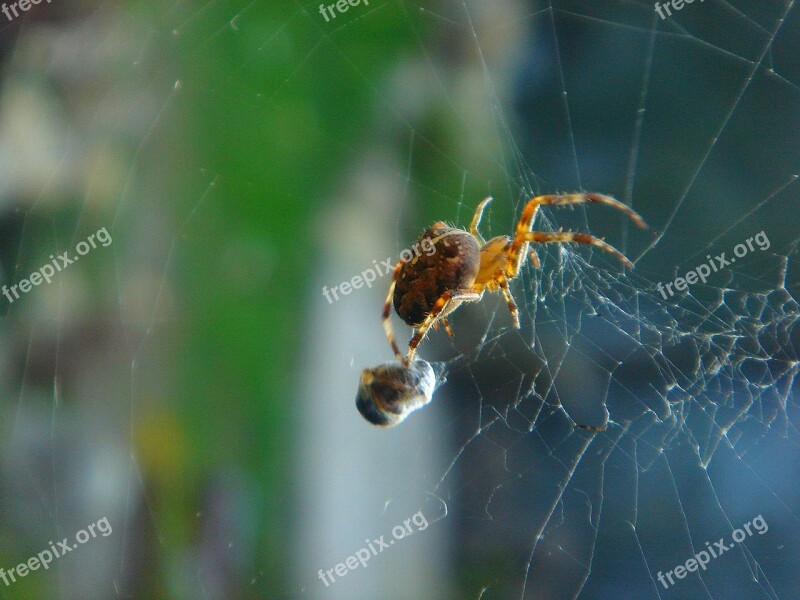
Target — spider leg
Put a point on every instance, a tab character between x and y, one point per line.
476	220
567	237
529	214
446	324
387	311
421	331
512	306
535	259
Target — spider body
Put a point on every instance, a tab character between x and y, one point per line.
464	266
453	265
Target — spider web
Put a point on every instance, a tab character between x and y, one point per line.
690	120
697	390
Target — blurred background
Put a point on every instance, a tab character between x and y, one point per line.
190	382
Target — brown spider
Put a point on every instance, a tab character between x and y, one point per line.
464	265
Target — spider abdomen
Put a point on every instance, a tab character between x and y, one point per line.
452	265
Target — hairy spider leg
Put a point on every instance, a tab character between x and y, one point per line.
568	237
387	311
476	220
438	308
446	324
519	246
525	224
501	280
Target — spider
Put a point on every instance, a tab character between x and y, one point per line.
463	266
